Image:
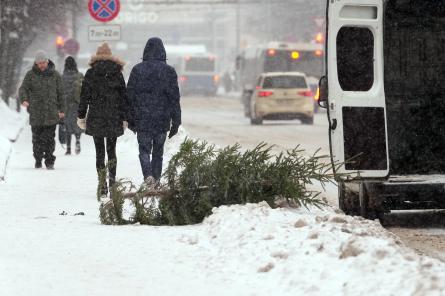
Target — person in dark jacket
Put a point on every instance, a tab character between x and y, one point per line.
72	80
41	93
153	95
103	110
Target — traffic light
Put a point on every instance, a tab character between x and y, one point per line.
60	43
319	38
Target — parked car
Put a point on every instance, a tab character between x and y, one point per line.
282	96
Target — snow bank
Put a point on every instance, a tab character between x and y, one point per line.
5	152
11	122
238	250
296	252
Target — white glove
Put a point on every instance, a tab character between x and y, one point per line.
125	125
82	123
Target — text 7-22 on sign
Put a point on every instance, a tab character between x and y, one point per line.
104	33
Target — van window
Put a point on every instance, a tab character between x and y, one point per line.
355	58
284	82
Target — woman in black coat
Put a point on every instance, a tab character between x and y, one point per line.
103	110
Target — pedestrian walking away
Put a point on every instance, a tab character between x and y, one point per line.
154	98
103	111
41	93
72	83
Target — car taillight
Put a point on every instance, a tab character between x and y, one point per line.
265	93
182	79
318	53
306	93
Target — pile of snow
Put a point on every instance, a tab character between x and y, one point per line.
11	121
46	249
298	252
5	152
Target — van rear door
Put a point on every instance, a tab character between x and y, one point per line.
356	102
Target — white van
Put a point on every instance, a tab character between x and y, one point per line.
385	95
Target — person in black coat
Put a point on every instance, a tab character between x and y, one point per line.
153	95
72	80
103	110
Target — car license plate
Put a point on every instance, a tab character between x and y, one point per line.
285	101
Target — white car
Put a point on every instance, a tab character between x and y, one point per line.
282	96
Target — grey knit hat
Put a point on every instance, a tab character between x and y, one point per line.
41	56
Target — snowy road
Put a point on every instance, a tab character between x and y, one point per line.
220	120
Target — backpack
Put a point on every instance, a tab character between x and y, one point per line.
78	89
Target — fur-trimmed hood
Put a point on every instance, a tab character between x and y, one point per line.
104	54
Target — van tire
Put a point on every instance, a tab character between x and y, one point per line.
308	120
367	197
256	121
348	200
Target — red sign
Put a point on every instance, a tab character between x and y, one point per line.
104	10
71	47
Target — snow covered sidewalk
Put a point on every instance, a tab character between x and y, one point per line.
239	250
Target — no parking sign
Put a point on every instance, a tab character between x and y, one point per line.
104	10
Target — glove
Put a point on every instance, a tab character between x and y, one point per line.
82	123
125	125
173	131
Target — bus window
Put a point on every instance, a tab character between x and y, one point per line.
308	62
284	82
200	65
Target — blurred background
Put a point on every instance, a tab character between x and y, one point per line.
206	36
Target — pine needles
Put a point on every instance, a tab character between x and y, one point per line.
200	177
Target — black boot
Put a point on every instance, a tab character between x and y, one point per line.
77	145
38	164
68	144
102	188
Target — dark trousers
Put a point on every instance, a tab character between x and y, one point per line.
151	152
99	142
43	143
68	140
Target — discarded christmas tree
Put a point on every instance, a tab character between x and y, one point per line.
200	177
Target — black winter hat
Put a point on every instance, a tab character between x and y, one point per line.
70	64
